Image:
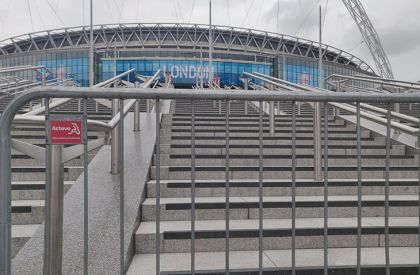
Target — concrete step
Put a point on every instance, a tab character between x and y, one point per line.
280	187
20	235
24	160
186	140
249	133
278	150
278	207
32	190
281	172
282	160
27	211
37	173
404	260
175	236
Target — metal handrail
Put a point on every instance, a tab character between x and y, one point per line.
389	80
24	68
378	81
6	121
64	101
349	108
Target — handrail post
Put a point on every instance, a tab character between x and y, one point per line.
317	142
272	119
246	87
114	141
137	111
54	221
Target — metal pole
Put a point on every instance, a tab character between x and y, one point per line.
260	188
293	188
227	191
210	47
201	68
317	113
121	166
246	87
85	192
54	221
91	72
137	112
272	120
47	190
193	187
325	188
114	141
418	155
387	164
359	191
43	84
157	214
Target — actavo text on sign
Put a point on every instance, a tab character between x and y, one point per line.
66	129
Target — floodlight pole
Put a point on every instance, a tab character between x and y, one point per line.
91	71
210	48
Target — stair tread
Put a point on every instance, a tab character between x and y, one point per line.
289	180
253	224
31	203
23	230
305	258
183	200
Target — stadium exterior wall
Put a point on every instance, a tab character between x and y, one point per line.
179	49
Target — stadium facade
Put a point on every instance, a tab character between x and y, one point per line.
180	49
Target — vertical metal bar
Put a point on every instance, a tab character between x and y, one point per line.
227	191
246	107
317	142
272	119
359	192
121	165
137	116
5	200
293	187
220	107
325	188
85	192
192	187
157	108
114	141
56	211
47	222
418	156
387	164
260	204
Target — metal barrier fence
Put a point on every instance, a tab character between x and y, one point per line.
8	115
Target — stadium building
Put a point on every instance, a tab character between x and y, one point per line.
179	49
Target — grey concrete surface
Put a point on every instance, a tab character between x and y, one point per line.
103	209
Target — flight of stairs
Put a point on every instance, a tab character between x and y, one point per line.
175	193
28	175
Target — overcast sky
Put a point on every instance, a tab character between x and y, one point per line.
397	22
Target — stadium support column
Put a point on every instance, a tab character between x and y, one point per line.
210	47
317	112
91	71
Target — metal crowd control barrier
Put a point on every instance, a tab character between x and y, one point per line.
8	115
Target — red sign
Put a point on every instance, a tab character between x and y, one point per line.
66	131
